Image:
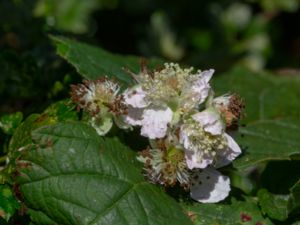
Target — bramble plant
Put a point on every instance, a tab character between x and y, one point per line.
185	124
156	144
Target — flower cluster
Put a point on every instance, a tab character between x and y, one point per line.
185	123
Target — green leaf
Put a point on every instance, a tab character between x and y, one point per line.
57	112
268	140
238	212
75	176
280	206
266	96
8	204
273	205
10	122
92	62
272	114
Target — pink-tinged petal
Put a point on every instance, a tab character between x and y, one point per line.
134	116
209	186
196	91
198	159
201	87
211	121
226	156
135	97
207	74
155	122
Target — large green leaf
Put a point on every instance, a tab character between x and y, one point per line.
238	212
92	62
267	96
271	116
73	176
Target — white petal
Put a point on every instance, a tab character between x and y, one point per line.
211	121
207	74
135	97
155	122
209	186
134	116
184	137
227	155
201	87
198	159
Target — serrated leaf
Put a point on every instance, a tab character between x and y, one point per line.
272	114
275	206
82	178
93	62
238	212
8	204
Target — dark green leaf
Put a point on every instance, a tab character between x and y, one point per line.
271	116
236	213
266	96
8	204
268	140
76	177
275	206
92	62
57	112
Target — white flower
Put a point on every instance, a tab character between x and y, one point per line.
155	122
200	146
153	119
135	97
165	166
209	186
92	96
205	141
